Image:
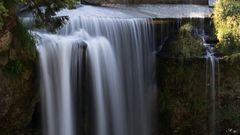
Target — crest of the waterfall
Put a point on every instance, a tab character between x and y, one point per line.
119	64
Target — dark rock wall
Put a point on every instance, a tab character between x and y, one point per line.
185	101
229	94
18	83
184	96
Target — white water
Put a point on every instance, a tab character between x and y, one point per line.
212	83
211	3
119	65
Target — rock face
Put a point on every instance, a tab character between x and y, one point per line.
5	41
18	97
185	44
184	96
18	88
182	107
185	104
229	94
203	2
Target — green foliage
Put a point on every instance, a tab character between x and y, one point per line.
229	112
51	6
227	23
186	44
182	101
43	18
3	13
27	40
14	68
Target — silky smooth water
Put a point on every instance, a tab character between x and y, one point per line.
212	75
115	54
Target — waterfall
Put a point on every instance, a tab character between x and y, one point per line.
212	75
115	55
213	64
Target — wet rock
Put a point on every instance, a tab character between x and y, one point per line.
5	41
18	97
185	44
211	40
12	54
18	87
4	58
184	105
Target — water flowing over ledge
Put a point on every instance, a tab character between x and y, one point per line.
169	10
111	59
143	11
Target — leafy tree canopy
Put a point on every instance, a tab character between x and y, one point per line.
43	17
227	23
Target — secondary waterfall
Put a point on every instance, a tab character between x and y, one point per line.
212	77
109	58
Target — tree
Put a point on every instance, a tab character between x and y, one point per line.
42	17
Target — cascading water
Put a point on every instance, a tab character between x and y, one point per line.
115	54
213	64
212	75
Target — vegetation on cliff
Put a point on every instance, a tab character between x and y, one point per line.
11	8
184	96
18	60
227	24
3	13
186	44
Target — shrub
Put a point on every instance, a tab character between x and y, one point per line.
227	24
186	45
3	13
14	68
26	40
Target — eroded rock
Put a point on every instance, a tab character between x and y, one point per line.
5	41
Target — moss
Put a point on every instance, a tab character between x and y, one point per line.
229	93
227	23
186	45
18	90
182	101
234	58
26	40
184	96
14	68
3	13
22	52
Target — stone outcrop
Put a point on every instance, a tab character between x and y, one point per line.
185	101
18	86
184	96
5	41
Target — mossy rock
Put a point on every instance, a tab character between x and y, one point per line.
184	95
5	41
229	94
18	88
186	44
